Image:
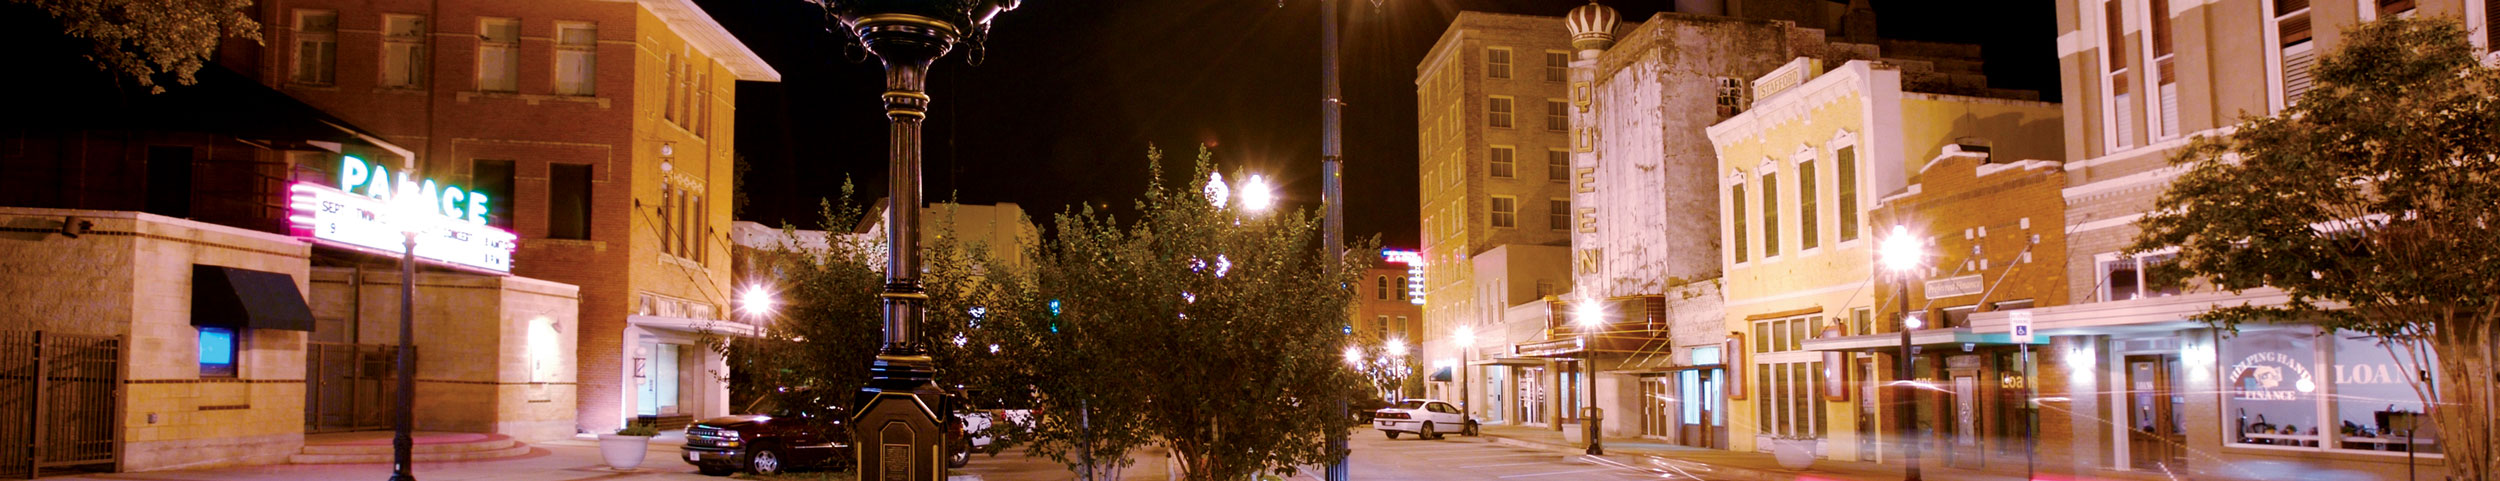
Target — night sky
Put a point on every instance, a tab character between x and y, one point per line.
1073	91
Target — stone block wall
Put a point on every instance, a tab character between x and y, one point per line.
480	368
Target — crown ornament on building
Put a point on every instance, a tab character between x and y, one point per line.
963	23
1592	26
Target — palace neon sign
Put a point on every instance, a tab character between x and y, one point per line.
451	221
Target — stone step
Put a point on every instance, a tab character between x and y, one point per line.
510	449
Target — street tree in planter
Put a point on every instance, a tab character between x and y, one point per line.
1201	326
2374	203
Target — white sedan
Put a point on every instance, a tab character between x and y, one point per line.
1428	419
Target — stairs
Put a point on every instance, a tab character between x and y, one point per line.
374	447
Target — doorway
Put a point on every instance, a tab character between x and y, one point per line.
2156	432
655	379
1966	450
1869	425
1532	397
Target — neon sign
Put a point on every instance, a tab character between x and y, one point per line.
452	220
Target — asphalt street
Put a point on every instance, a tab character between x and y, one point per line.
1377	458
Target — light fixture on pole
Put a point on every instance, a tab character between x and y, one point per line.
1256	195
1899	256
1591	315
756	301
413	214
1354	356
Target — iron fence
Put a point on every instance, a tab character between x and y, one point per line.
60	399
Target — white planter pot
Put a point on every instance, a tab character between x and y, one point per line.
623	452
1793	453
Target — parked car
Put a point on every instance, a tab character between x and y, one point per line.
1364	407
769	443
1427	418
977	415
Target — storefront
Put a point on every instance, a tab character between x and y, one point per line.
1687	405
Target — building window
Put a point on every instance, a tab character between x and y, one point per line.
1497	62
1557	66
403	51
1557	165
1400	327
499	55
1846	158
1557	214
2131	278
1790	392
2292	34
1505	162
669	78
1381	326
568	201
1736	200
698	108
577	58
1505	211
1400	288
1862	321
1380	288
1770	214
1731	96
2166	79
2276	382
1497	112
2120	107
316	46
218	347
1809	229
493	179
1557	115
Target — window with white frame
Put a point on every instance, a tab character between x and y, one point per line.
1497	111
2278	380
316	46
1497	62
1737	236
2292	42
1770	214
2130	277
1809	230
1505	211
403	51
499	55
2119	110
1503	163
1789	394
2165	77
577	58
1845	159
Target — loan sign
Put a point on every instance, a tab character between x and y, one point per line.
451	221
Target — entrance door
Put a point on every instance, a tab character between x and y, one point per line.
656	376
349	386
1532	397
2156	433
1869	393
1965	419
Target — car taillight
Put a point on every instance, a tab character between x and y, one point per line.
1390	415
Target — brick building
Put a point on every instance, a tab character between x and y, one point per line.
606	128
2127	375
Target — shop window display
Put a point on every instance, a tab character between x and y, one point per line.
2279	380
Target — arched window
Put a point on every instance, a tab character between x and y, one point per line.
1380	292
1401	286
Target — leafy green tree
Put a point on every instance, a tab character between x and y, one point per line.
143	39
1210	330
2374	203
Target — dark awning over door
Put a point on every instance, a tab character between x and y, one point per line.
247	299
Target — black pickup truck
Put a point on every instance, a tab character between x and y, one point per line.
769	444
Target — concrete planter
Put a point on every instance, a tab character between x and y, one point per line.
623	452
1793	453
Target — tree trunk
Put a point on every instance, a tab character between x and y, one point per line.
2464	410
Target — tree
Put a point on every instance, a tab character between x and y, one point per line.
1387	372
143	39
2373	204
1209	330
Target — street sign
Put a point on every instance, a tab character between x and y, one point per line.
2021	319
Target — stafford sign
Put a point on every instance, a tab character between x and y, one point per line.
451	221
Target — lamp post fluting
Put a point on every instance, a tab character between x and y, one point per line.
1332	188
903	400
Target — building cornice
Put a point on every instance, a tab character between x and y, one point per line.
698	28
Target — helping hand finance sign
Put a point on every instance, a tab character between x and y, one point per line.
451	222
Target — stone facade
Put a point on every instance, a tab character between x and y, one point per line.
495	353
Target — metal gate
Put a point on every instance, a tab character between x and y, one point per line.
350	386
60	400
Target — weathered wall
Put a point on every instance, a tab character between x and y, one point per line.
479	368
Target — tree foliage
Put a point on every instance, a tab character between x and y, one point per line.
2374	204
141	39
1209	330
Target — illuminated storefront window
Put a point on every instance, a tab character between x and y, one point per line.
2278	380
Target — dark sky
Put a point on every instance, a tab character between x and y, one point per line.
1073	91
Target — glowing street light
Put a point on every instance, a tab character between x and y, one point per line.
1900	251
1397	348
756	301
1354	356
1591	315
1256	195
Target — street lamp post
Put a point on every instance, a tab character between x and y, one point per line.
1466	342
907	36
409	212
1592	316
1900	254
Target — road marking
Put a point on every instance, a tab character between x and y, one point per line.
1557	472
1503	464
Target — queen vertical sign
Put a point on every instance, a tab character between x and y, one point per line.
372	208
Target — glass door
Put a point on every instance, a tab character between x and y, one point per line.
2157	433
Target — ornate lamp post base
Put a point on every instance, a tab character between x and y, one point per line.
898	429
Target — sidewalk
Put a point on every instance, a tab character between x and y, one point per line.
558	460
1722	464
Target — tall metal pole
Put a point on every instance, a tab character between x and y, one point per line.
1909	400
403	420
1468	414
1590	416
1332	185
